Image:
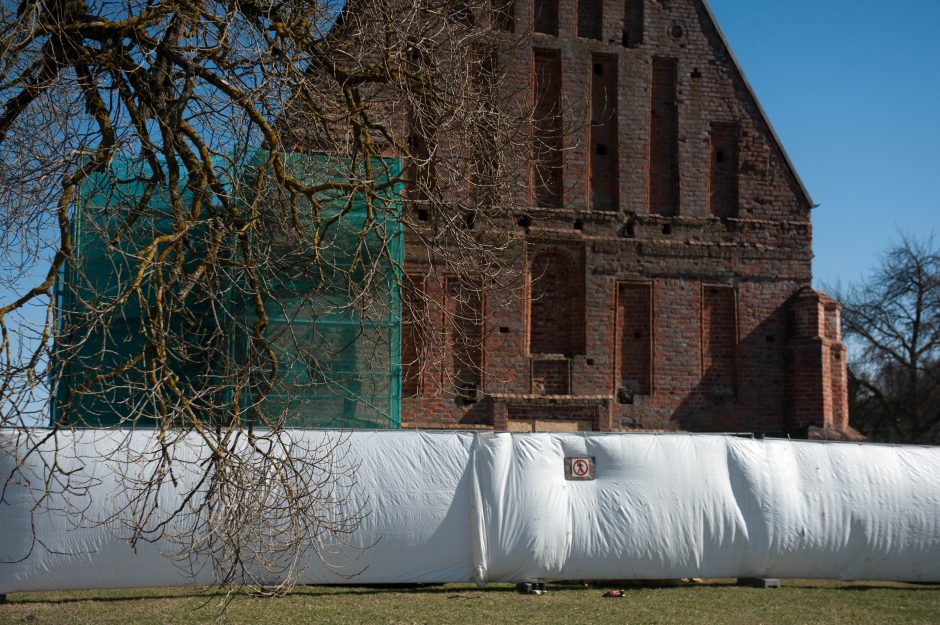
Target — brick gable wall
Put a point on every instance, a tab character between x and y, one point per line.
669	246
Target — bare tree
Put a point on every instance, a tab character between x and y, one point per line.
193	196
892	323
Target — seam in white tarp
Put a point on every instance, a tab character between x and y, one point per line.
459	506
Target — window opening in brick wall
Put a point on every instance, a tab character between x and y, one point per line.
413	313
723	170
420	175
556	309
603	157
632	23
634	342
719	340
465	308
546	16
461	14
664	138
504	15
591	19
484	147
547	168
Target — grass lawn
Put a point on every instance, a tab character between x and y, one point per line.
714	601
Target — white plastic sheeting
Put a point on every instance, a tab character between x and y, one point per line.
458	506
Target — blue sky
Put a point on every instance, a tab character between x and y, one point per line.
853	89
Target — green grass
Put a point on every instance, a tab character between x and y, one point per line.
715	601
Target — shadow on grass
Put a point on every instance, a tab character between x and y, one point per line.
915	586
29	598
439	589
301	590
383	589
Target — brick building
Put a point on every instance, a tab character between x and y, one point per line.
669	250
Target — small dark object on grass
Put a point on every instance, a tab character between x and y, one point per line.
759	582
530	588
614	593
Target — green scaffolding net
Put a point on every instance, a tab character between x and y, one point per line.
321	348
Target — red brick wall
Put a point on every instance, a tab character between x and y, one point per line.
556	412
817	383
550	377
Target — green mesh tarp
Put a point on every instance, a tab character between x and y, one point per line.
328	355
336	322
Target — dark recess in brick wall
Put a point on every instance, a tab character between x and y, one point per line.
504	15
547	172
591	19
413	309
557	301
634	337
723	174
632	23
664	138
604	153
420	174
719	339
546	16
465	307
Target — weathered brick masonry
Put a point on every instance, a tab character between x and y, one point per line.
669	256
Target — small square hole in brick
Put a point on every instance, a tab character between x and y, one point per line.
503	330
579	224
424	214
667	229
589	362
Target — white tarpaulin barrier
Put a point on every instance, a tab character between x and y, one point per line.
458	506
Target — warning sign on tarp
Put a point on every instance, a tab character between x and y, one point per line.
579	467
